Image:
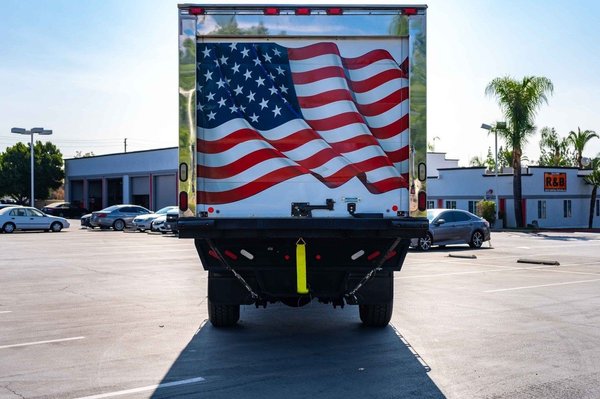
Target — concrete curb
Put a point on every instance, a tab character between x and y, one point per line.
539	262
462	256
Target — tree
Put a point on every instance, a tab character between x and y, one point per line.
15	171
593	179
554	149
519	102
476	161
579	140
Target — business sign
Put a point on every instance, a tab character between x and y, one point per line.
555	181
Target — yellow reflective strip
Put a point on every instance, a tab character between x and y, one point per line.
301	287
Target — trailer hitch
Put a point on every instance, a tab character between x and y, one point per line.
304	209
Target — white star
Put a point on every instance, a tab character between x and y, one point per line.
221	83
250	96
232	46
236	67
260	81
283	89
199	87
245	52
271	76
206	52
263	103
273	90
238	90
221	102
254	118
223	60
256	61
276	52
233	109
280	70
242	108
210	96
211	116
267	57
248	74
201	107
276	111
208	75
216	62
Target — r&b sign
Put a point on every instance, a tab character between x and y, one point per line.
555	181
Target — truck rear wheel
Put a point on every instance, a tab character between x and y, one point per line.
223	315
378	315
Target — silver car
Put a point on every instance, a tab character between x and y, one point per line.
28	218
144	222
117	216
454	226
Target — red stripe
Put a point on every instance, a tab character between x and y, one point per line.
355	143
337	121
398	155
314	75
376	80
228	142
373	163
384	104
391	130
383	186
237	166
325	98
250	189
318	49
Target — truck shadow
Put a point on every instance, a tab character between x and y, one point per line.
313	351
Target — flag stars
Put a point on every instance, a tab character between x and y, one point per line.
283	89
221	102
211	115
248	74
245	52
238	90
250	96
210	96
234	109
216	62
254	118
276	111
267	57
260	82
206	52
256	61
236	67
271	76
263	104
273	90
280	70
208	75
221	83
233	46
223	60
276	52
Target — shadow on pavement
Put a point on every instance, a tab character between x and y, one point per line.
314	351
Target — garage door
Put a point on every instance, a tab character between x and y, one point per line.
165	191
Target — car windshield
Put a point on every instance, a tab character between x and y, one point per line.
164	210
432	213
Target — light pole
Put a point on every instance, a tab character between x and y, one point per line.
490	128
38	130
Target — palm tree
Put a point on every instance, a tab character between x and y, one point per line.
476	161
579	140
554	149
593	179
519	102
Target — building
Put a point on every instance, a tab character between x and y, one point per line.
552	197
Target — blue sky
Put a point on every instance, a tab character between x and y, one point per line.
99	71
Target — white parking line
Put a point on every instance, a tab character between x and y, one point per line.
143	389
541	286
41	342
5	311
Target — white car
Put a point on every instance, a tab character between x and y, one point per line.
144	222
159	224
28	218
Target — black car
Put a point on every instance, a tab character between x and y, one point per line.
65	209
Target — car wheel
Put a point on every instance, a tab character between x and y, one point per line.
221	315
119	225
56	227
426	242
377	315
476	239
8	228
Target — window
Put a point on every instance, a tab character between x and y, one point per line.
473	207
567	208
450	204
430	204
541	209
461	217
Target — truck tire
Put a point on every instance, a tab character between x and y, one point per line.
378	315
223	315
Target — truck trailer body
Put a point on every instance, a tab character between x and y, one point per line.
302	146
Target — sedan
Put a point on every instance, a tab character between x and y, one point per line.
65	209
117	216
454	226
144	222
28	218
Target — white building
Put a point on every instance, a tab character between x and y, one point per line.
552	197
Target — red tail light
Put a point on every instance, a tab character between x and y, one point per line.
230	254
422	200
196	11
335	11
271	11
302	11
183	201
409	11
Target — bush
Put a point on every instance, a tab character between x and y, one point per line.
487	210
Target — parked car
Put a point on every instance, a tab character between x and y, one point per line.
171	222
117	216
454	226
144	222
28	218
2	206
159	224
85	220
65	209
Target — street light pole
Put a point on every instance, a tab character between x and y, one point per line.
38	130
489	128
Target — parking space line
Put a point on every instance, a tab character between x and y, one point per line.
144	389
5	311
541	286
41	342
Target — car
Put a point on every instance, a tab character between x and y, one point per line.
2	206
117	216
159	224
29	218
85	220
144	222
65	209
171	222
453	226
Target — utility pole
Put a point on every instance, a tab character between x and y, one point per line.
125	143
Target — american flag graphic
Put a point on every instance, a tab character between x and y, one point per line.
269	113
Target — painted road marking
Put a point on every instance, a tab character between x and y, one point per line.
5	311
143	389
41	342
541	286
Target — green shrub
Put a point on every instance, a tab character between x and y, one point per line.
487	210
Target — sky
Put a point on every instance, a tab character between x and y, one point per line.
99	71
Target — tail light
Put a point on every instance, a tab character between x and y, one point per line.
334	11
271	11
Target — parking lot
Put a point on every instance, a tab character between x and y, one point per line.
102	314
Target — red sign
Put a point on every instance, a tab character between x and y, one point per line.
555	181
